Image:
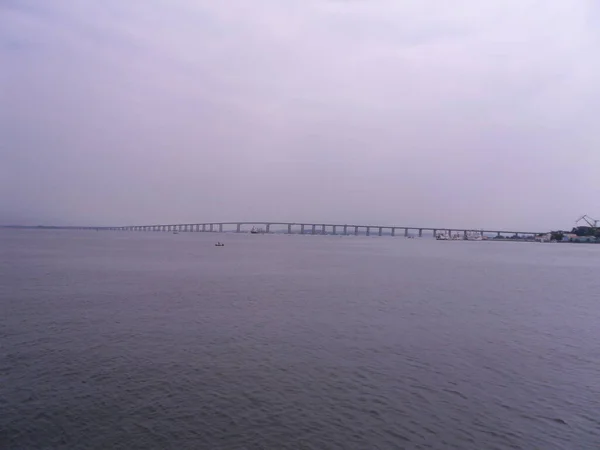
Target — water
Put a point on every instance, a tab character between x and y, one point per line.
150	340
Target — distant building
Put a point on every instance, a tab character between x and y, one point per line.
572	237
585	239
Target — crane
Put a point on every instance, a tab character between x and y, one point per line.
593	223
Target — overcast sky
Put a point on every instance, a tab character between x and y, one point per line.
433	113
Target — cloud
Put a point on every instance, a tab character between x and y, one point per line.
463	114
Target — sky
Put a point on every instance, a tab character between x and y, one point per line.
415	113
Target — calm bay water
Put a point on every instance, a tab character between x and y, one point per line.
153	340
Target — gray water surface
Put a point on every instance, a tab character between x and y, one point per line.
129	340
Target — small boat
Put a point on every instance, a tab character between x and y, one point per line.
219	244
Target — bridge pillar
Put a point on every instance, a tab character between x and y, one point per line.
314	229
238	228
345	230
323	229
465	234
368	233
267	228
302	229
355	231
420	232
211	227
220	228
380	231
406	232
393	231
289	228
334	231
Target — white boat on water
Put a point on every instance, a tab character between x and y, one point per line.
449	237
467	236
474	236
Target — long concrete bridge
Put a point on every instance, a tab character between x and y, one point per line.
303	228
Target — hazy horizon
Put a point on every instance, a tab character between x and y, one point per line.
418	113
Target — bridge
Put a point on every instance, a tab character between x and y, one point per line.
300	228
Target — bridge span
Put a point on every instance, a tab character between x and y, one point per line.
306	228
